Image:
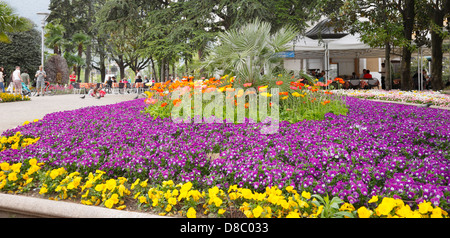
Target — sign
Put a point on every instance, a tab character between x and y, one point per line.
286	54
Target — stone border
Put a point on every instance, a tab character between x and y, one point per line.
30	207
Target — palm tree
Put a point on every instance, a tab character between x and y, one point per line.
9	22
80	40
54	37
250	52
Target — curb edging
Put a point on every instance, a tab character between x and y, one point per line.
43	208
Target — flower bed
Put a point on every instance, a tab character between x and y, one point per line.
420	97
7	97
377	149
182	199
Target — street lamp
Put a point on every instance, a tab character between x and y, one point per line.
45	15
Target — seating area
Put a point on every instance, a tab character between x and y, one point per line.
373	83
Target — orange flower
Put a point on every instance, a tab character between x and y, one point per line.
279	82
164	104
150	101
247	84
283	93
176	102
246	105
325	102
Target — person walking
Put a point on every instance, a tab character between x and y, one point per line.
2	80
40	81
17	81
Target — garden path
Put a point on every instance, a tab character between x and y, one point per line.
16	113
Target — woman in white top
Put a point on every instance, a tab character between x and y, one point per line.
17	81
2	81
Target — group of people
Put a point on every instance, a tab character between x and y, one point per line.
19	79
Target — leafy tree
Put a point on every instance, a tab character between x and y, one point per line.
76	16
381	29
121	22
10	22
24	51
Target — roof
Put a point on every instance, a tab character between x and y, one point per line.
325	30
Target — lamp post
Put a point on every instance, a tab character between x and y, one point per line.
45	15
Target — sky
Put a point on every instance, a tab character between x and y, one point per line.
29	8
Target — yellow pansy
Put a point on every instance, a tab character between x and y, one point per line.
142	199
5	166
293	215
405	211
12	176
111	184
257	211
16	167
191	213
306	195
363	212
373	199
425	207
296	94
221	211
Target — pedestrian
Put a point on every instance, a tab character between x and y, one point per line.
383	75
73	77
26	78
17	81
40	81
138	74
2	80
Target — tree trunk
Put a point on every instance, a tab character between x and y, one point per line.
88	52
436	52
408	25
167	71
163	70
87	72
102	67
121	65
387	68
173	71
155	76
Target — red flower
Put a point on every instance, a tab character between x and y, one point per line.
164	104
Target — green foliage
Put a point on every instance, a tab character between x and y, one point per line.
250	51
24	51
10	23
331	207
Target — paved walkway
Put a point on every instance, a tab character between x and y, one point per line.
16	113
